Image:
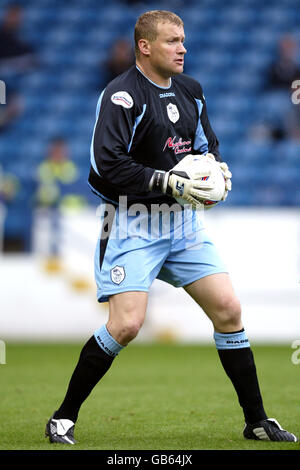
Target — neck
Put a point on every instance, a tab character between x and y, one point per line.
154	76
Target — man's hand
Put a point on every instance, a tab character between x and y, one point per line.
226	173
180	185
185	180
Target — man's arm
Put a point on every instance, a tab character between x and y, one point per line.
110	149
117	119
213	143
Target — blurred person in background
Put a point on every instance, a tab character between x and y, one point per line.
285	69
292	123
9	188
282	122
11	110
55	178
15	54
121	57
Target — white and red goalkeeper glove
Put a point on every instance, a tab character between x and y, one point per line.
185	180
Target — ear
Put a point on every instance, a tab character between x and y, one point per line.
144	47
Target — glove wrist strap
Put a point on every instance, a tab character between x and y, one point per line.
159	181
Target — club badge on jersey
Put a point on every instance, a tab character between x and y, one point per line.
173	112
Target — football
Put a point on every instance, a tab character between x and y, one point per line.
217	193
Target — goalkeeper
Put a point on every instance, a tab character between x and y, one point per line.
150	121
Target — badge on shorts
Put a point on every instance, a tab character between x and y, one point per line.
173	112
117	274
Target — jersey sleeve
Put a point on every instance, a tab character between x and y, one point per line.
205	139
118	117
212	141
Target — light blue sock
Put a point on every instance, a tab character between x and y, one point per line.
107	342
231	340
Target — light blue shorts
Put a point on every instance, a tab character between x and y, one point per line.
138	245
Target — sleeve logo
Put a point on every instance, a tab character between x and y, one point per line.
122	98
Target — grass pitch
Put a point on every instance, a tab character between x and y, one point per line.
156	397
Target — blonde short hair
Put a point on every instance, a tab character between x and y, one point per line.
146	25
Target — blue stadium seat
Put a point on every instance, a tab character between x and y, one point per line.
230	60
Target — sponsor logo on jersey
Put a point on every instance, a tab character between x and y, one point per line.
122	98
117	274
178	146
166	95
173	113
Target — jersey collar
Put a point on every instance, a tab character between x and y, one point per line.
155	84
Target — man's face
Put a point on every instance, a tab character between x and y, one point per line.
167	51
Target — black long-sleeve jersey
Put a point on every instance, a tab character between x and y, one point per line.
141	127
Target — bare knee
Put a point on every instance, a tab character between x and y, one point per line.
125	320
128	330
227	315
